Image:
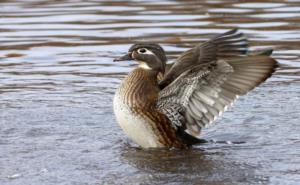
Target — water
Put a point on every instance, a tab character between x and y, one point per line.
58	79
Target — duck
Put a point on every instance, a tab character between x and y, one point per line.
167	105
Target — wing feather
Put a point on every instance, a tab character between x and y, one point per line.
228	44
205	92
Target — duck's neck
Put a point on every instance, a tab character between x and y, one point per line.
140	88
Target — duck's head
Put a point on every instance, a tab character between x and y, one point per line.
150	56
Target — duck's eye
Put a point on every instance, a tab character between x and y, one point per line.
142	50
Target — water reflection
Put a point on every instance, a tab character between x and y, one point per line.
194	165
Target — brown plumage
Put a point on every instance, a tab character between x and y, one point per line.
159	108
139	90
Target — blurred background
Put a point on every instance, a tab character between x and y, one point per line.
57	81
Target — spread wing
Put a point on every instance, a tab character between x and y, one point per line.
229	44
201	94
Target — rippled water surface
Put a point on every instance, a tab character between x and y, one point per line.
57	81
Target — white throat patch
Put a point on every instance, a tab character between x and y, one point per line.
144	65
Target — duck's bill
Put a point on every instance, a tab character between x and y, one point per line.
123	58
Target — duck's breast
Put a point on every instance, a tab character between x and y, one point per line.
137	127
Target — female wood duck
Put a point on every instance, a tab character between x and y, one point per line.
200	85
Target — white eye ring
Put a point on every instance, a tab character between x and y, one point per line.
145	51
142	50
